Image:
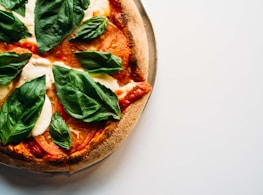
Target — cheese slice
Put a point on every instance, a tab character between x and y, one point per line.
44	119
37	67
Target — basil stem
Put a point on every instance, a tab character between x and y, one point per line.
11	65
19	113
83	98
90	29
60	132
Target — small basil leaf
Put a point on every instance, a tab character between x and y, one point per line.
11	65
83	98
21	110
98	62
18	6
60	132
90	29
11	28
55	20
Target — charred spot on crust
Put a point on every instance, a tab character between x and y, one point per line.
75	159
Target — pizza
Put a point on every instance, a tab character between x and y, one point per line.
73	81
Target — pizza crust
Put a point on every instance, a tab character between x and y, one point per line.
117	132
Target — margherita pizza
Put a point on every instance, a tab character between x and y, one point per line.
73	81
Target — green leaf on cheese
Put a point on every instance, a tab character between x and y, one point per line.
20	111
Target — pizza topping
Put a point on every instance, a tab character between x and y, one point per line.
12	29
90	29
81	138
60	132
44	119
115	42
46	144
83	98
21	110
106	80
99	62
82	133
37	67
15	5
134	94
11	65
55	20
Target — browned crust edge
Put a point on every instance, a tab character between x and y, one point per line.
133	112
124	126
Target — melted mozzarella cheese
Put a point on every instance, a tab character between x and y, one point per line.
106	80
37	67
4	90
29	19
44	118
97	8
125	89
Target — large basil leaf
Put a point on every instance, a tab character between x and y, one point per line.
11	28
21	110
18	6
54	20
11	65
60	132
83	98
98	62
90	29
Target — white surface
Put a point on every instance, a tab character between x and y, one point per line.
202	131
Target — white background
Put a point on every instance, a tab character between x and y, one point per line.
202	130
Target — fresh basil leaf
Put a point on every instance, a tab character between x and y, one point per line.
55	20
11	65
21	110
98	62
18	6
60	132
90	29
83	98
11	28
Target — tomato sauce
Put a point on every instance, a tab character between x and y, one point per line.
34	148
137	92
